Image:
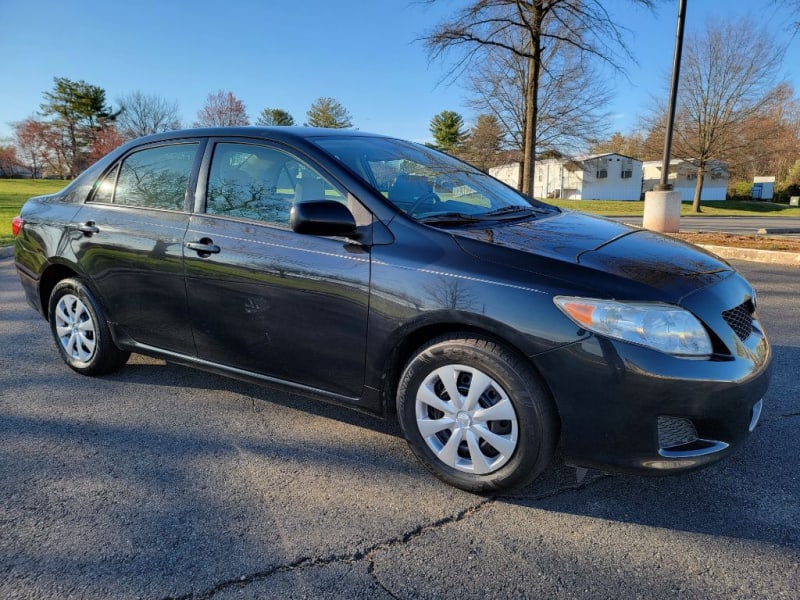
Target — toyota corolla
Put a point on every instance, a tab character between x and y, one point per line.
388	277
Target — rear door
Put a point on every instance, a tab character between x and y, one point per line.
129	241
263	298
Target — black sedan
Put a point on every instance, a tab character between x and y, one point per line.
385	276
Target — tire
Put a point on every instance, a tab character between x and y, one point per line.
502	430
80	330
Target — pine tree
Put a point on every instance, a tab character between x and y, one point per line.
328	112
447	130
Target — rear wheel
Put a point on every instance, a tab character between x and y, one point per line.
476	414
81	331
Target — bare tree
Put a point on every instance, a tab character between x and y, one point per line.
632	145
523	28
9	163
107	140
793	9
727	80
33	140
778	129
145	114
222	109
572	97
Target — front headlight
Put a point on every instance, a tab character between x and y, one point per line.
664	327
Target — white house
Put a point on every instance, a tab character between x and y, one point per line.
589	177
763	188
683	177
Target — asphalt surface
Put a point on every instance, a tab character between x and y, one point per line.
164	482
746	225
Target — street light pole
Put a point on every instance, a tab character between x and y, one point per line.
662	205
665	186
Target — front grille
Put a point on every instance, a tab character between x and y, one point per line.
675	431
740	319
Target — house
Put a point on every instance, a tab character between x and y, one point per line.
683	177
763	188
589	177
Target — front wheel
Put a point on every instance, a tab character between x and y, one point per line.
80	330
476	414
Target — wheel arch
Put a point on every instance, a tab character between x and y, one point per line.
50	277
413	340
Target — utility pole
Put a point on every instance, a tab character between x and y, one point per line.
662	206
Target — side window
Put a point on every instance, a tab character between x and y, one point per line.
105	191
261	184
152	178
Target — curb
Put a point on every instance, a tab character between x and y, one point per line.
6	251
773	257
778	230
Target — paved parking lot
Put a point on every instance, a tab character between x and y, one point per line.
164	482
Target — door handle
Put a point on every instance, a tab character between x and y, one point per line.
89	228
204	247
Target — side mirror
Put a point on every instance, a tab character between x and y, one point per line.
322	217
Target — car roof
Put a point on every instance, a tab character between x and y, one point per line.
283	133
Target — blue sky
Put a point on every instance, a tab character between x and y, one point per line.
286	54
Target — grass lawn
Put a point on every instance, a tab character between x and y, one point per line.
727	208
14	193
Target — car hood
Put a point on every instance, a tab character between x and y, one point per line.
654	260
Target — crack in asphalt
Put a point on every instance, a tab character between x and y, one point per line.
369	554
790	415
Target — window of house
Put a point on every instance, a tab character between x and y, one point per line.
602	167
626	168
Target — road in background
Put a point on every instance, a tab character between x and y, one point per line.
165	482
750	225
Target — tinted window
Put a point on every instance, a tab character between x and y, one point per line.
153	178
105	191
260	183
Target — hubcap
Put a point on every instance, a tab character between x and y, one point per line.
466	419
75	328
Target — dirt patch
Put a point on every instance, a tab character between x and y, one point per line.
758	242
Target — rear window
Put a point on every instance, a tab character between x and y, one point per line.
151	178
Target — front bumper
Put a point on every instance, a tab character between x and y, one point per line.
628	408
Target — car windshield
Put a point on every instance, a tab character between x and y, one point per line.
428	185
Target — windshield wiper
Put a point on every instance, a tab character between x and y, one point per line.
450	218
514	211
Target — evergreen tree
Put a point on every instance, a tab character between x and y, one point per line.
275	117
484	143
79	112
328	112
447	130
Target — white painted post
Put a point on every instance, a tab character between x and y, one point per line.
662	211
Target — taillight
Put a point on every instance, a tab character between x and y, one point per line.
16	225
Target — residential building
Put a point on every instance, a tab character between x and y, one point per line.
683	177
589	177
